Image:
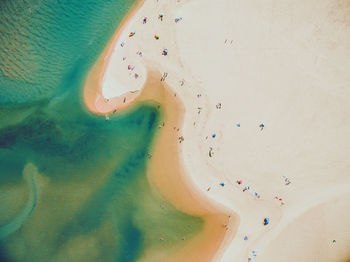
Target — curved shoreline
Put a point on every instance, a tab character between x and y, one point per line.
166	171
257	72
167	174
92	91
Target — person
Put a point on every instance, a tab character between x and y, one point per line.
181	139
178	19
211	153
286	180
160	17
164	76
246	188
262	126
144	20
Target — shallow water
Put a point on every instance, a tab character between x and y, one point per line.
73	186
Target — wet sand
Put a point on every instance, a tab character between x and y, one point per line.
167	174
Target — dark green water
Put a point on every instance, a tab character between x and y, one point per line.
73	186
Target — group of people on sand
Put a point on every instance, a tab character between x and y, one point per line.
245	188
156	36
266	220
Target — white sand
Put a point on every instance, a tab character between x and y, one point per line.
118	79
288	66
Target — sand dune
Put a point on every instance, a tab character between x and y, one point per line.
282	64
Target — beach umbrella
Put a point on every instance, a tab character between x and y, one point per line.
165	52
222	184
266	221
156	37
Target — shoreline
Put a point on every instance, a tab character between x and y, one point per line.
185	197
166	173
92	90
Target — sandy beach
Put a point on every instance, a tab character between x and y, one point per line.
262	92
94	99
166	172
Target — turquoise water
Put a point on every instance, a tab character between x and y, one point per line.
73	186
